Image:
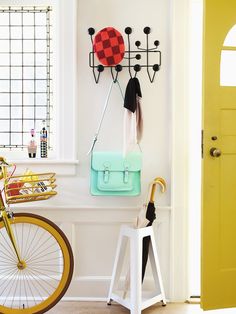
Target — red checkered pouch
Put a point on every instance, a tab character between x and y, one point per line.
109	46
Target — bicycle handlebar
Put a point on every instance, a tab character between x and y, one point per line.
3	163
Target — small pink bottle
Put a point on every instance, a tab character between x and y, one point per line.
32	147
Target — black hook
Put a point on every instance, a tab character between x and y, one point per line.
100	68
128	31
118	69
156	43
137	68
155	68
147	30
91	31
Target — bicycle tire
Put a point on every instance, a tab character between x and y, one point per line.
48	268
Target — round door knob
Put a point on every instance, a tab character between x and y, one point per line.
215	152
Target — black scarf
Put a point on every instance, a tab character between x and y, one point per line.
132	91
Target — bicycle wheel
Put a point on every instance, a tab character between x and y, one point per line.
47	267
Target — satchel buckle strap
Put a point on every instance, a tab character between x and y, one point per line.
106	174
126	175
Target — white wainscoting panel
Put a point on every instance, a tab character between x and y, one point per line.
93	234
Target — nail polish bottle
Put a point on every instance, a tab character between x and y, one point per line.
32	147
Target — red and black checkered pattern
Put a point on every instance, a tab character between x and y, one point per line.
109	46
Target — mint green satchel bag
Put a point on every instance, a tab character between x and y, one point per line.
111	173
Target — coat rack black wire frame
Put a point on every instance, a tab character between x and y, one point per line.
129	55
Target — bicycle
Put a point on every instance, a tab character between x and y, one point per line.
36	260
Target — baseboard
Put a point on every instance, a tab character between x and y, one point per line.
95	288
193	300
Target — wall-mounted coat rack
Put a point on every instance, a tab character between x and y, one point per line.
140	53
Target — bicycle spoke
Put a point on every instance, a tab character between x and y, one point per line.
11	253
25	291
32	241
44	275
33	259
17	238
11	273
7	241
5	268
37	278
27	239
20	295
10	286
43	251
46	265
40	245
47	260
27	282
47	270
7	261
10	258
14	294
22	237
36	241
34	285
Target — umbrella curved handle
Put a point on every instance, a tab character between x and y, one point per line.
157	181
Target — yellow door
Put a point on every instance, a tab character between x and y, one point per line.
218	278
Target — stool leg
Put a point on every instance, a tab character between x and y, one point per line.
120	253
154	260
136	274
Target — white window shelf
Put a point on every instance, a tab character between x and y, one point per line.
60	167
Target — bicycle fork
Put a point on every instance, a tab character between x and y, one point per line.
4	215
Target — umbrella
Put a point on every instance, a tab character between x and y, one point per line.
145	219
151	216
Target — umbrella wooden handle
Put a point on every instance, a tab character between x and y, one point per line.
156	181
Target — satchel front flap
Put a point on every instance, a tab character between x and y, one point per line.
114	161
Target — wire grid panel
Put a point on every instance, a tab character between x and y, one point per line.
25	73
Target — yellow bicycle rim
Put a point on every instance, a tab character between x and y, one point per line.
28	222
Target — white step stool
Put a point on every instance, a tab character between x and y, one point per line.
136	301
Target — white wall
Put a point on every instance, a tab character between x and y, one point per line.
155	101
92	223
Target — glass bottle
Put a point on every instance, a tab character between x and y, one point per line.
43	141
32	146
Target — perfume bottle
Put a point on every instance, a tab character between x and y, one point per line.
43	141
32	147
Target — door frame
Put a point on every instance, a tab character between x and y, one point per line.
179	148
